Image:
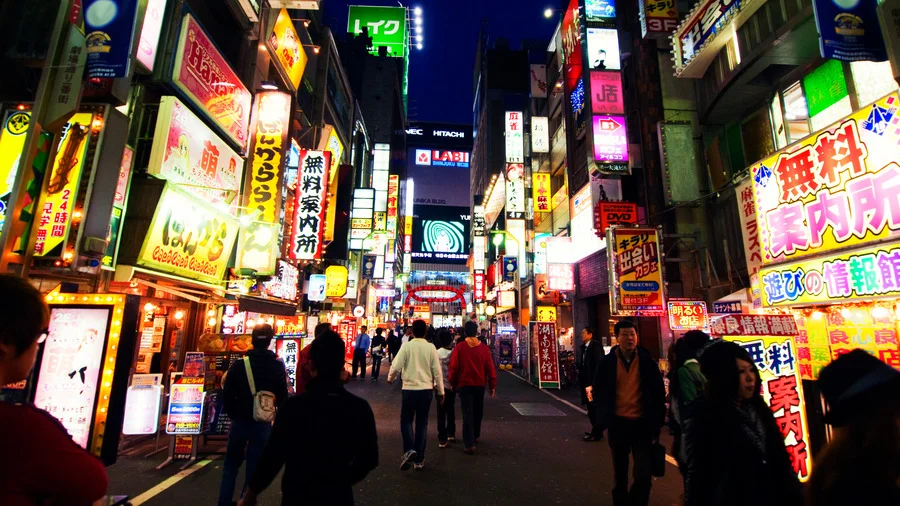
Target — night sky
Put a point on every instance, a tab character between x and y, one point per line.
440	80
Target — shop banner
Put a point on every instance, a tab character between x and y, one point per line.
749	227
309	205
548	354
849	31
561	277
753	325
478	283
688	315
12	144
150	30
289	53
58	201
775	359
546	313
659	18
185	414
611	140
205	77
613	213
635	261
109	25
540	189
515	143
607	96
287	350
833	190
188	153
538	81
189	237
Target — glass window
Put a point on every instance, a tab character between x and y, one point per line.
778	123
827	98
795	113
872	80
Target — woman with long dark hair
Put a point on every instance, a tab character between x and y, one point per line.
734	449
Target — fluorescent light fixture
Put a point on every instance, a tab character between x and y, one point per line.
410	188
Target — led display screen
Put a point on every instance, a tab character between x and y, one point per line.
440	234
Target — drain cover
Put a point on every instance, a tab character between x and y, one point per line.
536	409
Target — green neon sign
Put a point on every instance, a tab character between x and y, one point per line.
387	27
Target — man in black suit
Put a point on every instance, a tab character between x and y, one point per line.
589	358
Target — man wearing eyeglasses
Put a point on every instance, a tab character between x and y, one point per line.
48	465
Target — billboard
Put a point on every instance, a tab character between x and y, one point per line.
636	283
610	139
387	26
607	95
440	234
441	176
603	49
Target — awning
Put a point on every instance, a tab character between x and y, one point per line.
266	306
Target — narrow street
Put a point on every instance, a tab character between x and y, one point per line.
523	459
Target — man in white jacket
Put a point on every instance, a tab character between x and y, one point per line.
418	367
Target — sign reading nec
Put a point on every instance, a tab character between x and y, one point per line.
414	131
449	133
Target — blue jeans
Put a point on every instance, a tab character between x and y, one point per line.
415	404
244	435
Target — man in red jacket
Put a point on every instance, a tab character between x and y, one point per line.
471	368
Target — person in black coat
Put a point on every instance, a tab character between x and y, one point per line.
734	449
586	363
630	402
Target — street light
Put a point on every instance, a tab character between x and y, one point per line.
548	12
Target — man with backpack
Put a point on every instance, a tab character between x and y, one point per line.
254	388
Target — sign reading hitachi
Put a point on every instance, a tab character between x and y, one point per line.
453	134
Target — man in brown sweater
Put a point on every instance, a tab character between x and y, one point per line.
630	400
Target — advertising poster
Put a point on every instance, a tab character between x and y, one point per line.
386	25
186	152
309	205
185	414
193	365
613	213
12	143
57	204
636	283
317	285
285	44
109	27
610	140
69	373
152	334
284	284
688	315
189	237
603	49
205	77
607	96
548	354
849	30
393	205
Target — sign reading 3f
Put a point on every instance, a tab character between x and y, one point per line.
387	27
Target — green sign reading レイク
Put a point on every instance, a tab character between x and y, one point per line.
387	27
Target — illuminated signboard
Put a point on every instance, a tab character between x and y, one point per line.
318	283
636	283
598	10
336	277
12	143
205	77
606	93
58	201
185	415
572	26
262	200
540	134
561	277
613	213
704	22
610	140
189	237
515	188
150	30
546	313
289	53
603	49
540	252
387	26
284	283
659	18
548	350
109	28
479	249
186	152
515	146
440	234
540	188
309	205
688	315
749	227
832	190
438	158
393	205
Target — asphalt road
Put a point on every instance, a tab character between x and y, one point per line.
522	460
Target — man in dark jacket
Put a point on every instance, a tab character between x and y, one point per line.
587	362
325	439
247	436
630	403
378	345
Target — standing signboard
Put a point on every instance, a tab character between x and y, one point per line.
547	353
636	283
185	414
142	403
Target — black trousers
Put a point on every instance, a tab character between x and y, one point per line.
631	438
359	360
592	416
376	366
446	419
471	400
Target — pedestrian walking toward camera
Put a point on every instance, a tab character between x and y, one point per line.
471	369
446	411
253	388
378	345
630	401
734	448
588	360
360	348
419	368
325	438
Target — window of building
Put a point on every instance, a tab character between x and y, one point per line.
872	80
796	114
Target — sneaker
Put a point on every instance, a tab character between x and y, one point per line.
451	439
442	444
418	466
407	460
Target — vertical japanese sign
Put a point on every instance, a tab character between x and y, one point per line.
636	283
515	143
309	206
515	189
773	352
289	53
115	224
150	30
347	329
540	134
688	315
262	199
540	189
548	354
478	280
58	202
538	81
606	92
109	25
393	205
749	227
205	77
849	31
572	26
286	350
67	84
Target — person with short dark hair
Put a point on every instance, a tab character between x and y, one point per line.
248	436
360	349
471	369
378	345
39	461
446	411
586	364
418	366
631	403
325	439
686	384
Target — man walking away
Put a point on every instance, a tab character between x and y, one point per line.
417	364
471	368
324	438
248	436
378	345
630	402
588	360
359	351
393	345
446	410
